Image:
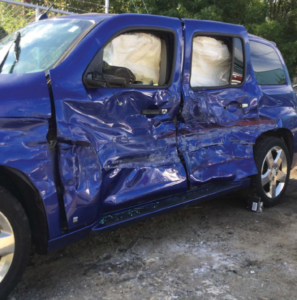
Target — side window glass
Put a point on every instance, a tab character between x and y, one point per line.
139	57
238	62
217	62
267	65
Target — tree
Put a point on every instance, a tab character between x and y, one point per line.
274	20
2	32
281	9
281	27
76	6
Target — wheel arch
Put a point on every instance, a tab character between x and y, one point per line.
20	186
282	133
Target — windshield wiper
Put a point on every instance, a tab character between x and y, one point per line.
17	51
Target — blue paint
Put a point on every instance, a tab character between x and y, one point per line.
217	143
145	211
111	157
25	111
130	158
24	96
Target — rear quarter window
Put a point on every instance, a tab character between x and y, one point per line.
267	65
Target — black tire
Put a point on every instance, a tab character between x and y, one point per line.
15	214
260	151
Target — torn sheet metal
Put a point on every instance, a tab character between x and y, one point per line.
132	158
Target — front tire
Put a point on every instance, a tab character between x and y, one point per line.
15	242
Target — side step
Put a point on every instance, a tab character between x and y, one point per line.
151	209
117	219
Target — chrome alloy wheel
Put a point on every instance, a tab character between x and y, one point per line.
274	172
7	246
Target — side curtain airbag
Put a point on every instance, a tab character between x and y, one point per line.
211	62
139	52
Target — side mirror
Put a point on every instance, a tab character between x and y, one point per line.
97	80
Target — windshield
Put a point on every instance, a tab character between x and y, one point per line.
41	45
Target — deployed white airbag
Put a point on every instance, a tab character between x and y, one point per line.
211	62
139	52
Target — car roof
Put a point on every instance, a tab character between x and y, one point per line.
256	38
97	18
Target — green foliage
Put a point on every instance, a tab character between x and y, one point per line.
76	6
281	27
275	20
2	32
12	19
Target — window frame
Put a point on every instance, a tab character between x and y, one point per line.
70	49
145	29
279	57
214	35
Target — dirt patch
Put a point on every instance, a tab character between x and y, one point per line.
216	250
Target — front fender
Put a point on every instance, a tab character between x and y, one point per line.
25	111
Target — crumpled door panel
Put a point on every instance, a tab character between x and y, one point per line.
111	154
116	155
216	135
216	139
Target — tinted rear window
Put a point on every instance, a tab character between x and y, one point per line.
267	65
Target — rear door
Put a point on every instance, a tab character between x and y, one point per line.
219	121
118	144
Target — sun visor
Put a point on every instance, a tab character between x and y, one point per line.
139	52
211	62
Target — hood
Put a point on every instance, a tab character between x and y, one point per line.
24	96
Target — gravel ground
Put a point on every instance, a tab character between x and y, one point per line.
215	250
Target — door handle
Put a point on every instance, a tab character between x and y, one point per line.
243	105
153	111
239	105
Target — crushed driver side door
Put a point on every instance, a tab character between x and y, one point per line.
113	155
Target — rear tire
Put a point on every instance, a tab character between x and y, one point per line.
273	163
15	242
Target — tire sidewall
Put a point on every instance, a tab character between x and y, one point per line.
13	211
272	142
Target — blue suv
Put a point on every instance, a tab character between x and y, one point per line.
110	119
